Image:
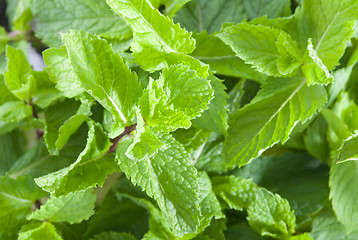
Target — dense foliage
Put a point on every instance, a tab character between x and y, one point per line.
179	119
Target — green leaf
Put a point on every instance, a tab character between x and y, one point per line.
39	231
92	16
62	120
326	227
16	199
37	161
192	139
329	24
23	15
45	92
304	236
3	39
104	75
241	231
221	58
270	117
12	146
135	220
349	149
316	139
60	71
343	183
269	50
314	69
113	236
270	215
209	204
18	77
215	118
90	169
158	42
178	96
170	178
5	94
235	193
72	208
298	177
14	111
272	9
172	6
200	15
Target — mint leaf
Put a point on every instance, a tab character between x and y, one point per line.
103	74
316	139
326	227
178	96
169	177
18	77
16	199
200	15
313	69
329	24
268	118
348	150
343	182
73	208
298	177
215	118
14	111
3	39
12	146
270	215
158	42
90	169
62	120
236	193
39	231
221	58
113	236
5	94
269	50
60	71
92	16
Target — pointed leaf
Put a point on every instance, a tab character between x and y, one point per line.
14	111
236	193
269	50
72	208
344	182
60	71
57	116
90	169
270	117
16	199
94	16
270	215
113	236
200	15
104	75
178	96
169	177
327	227
222	59
158	42
39	231
215	118
349	149
330	25
18	77
314	70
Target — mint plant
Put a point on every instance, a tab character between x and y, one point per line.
186	119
